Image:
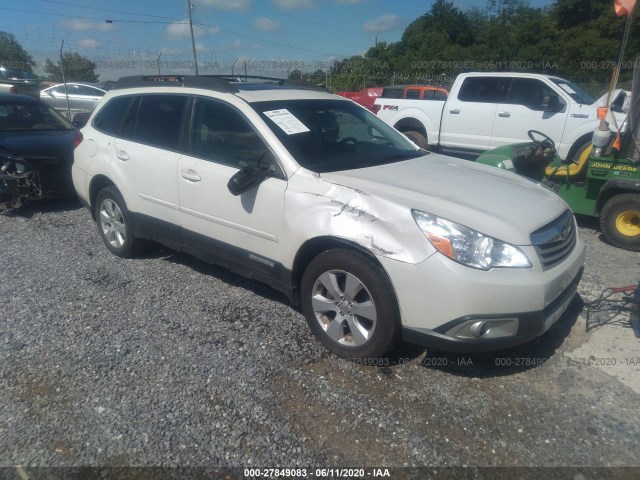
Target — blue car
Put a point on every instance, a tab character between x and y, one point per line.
36	151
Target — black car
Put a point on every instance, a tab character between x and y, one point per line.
36	151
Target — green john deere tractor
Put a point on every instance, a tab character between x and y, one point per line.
604	182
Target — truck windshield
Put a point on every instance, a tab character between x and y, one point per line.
332	135
574	91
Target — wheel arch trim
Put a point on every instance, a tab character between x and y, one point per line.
317	245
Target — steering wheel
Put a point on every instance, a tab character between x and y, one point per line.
546	141
348	140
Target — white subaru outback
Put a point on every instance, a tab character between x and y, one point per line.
376	239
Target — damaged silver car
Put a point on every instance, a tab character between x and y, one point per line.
375	239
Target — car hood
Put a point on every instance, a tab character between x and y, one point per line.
40	144
492	201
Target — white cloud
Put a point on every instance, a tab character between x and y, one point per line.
228	5
383	23
180	30
266	24
295	4
82	24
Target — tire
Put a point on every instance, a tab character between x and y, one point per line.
114	223
620	221
418	138
337	284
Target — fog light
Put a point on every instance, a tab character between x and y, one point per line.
485	328
479	329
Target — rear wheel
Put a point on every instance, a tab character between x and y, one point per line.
620	221
115	224
349	305
418	138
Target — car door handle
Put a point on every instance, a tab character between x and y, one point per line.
504	114
190	175
122	155
454	111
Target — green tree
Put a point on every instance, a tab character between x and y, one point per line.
76	68
13	55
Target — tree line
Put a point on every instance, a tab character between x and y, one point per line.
575	39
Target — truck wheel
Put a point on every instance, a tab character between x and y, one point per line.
417	138
620	221
349	304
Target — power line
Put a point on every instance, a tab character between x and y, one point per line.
269	42
107	10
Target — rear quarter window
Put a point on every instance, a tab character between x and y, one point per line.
111	117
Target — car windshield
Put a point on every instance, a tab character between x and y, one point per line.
574	91
31	116
332	135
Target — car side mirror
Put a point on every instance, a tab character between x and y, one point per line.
551	103
247	178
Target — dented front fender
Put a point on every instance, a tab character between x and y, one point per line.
315	207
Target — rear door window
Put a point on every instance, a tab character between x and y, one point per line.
109	120
160	119
413	93
482	90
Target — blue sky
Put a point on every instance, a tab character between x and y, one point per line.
268	34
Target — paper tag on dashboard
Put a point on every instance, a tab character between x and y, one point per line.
287	121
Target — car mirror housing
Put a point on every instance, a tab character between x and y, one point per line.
552	103
247	178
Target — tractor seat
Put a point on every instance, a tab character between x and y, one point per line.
575	170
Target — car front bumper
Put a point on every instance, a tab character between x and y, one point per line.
451	307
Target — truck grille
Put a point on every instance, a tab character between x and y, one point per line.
555	241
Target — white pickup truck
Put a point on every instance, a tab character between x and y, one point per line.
487	110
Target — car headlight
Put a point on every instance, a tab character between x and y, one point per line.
468	247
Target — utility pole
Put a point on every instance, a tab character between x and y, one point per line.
193	42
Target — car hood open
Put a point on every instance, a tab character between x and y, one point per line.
492	201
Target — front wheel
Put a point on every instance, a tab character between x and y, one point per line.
349	305
114	223
620	221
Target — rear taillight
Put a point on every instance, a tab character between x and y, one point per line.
375	108
77	140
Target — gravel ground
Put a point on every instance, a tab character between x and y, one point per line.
165	360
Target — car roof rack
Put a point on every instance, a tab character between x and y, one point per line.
220	83
198	81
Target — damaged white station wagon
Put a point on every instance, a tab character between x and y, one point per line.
375	239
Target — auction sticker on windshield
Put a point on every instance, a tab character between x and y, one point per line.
287	121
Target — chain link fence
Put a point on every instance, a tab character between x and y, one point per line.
105	66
